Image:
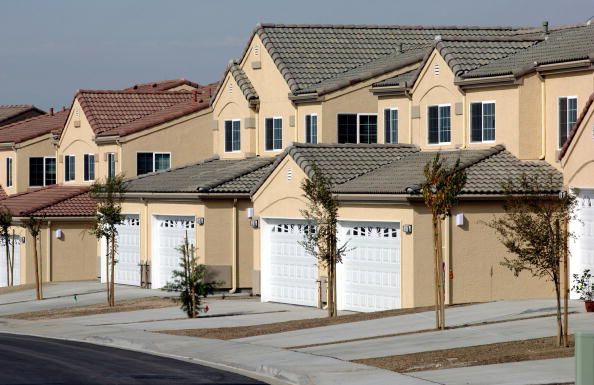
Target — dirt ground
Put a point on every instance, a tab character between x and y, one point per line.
527	350
12	289
77	311
230	333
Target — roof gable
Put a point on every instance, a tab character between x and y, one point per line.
34	127
14	112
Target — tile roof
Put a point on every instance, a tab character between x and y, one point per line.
31	128
402	80
310	54
55	200
341	162
162	85
487	170
561	45
244	83
123	112
213	175
576	126
10	113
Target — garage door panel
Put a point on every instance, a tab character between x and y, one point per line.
127	270
16	259
582	246
369	277
290	273
170	233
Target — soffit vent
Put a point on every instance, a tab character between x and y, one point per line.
289	174
257	50
436	70
230	88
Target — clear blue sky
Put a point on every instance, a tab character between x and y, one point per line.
49	49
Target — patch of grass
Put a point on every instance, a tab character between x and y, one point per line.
78	311
230	333
514	351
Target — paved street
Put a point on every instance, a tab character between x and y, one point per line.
31	360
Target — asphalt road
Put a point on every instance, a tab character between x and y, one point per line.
32	360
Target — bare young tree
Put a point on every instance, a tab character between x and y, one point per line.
320	235
33	226
109	196
5	223
440	190
531	230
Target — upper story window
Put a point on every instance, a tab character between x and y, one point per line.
42	171
482	122
274	134
439	124
311	128
89	171
232	135
111	164
391	125
567	117
8	172
147	162
357	128
69	168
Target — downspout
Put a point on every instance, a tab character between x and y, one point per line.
448	258
49	251
410	130
234	272
257	133
464	122
543	133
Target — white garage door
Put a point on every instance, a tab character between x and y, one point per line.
289	274
127	268
168	235
369	277
582	247
17	262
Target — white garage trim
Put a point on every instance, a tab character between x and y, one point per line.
582	245
16	259
167	235
289	274
369	277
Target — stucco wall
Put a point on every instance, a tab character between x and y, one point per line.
578	162
4	154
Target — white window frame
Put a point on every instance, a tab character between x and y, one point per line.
225	135
66	156
111	155
9	172
84	176
45	158
154	158
282	129
398	124
359	114
482	122
559	146
439	143
307	140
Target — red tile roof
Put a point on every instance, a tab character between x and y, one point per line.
34	127
112	110
577	125
14	112
54	201
162	85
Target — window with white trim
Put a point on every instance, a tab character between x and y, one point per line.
111	164
357	128
311	128
8	172
69	168
391	125
232	135
439	124
42	171
147	162
274	134
567	117
482	122
89	167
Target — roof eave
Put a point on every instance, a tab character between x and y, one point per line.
492	81
111	139
390	91
305	98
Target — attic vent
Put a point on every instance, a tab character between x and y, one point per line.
230	88
289	174
257	50
436	70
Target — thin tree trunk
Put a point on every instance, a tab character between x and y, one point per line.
559	323
40	269
441	276
8	265
112	283
37	283
565	284
435	272
107	254
12	259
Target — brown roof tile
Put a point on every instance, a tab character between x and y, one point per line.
162	85
52	200
135	111
15	112
34	127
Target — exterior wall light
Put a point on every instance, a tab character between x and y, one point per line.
255	223
59	233
460	219
250	212
407	229
200	221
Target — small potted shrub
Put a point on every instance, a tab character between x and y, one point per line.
584	286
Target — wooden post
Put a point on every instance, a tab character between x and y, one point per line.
436	271
565	282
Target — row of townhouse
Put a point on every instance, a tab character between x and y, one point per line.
370	105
